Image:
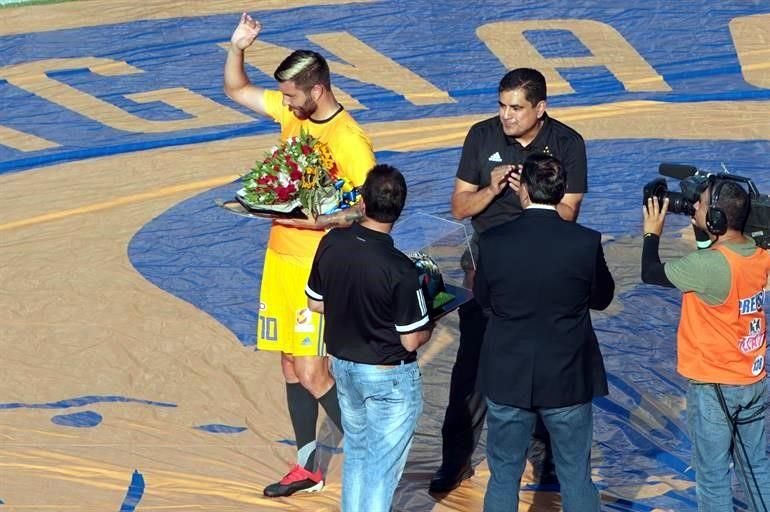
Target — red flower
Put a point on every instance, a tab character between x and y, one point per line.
277	178
284	193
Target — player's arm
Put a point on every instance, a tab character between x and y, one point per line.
237	85
337	219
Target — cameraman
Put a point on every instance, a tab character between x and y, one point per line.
720	343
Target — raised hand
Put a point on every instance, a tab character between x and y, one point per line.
246	32
654	215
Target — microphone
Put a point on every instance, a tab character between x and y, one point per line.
678	171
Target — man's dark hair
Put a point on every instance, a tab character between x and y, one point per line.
734	201
530	80
305	68
384	193
545	179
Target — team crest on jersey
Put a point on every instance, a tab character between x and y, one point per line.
304	321
751	304
758	366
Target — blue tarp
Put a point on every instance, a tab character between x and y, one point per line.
684	61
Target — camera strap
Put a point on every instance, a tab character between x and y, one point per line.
739	449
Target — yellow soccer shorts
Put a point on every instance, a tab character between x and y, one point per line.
284	321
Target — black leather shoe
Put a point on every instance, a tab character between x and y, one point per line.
446	479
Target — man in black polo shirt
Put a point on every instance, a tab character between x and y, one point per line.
376	318
486	191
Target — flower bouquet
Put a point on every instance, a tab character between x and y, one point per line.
300	173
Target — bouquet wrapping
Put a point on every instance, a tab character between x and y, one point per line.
300	172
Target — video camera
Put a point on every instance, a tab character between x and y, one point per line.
694	181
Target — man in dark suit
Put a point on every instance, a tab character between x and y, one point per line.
539	275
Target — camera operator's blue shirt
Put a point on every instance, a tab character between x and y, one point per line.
706	272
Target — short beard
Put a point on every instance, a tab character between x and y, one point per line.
306	110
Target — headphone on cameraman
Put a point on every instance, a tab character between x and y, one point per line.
716	219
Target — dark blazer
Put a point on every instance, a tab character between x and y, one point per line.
539	275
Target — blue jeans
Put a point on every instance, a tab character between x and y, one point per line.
713	448
508	435
380	407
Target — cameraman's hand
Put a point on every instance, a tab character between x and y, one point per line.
654	215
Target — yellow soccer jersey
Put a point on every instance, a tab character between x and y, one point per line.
351	149
285	324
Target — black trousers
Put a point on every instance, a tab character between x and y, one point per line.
467	408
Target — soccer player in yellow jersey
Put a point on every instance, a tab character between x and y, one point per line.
304	101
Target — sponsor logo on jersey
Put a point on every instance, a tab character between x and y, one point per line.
751	304
304	321
752	342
